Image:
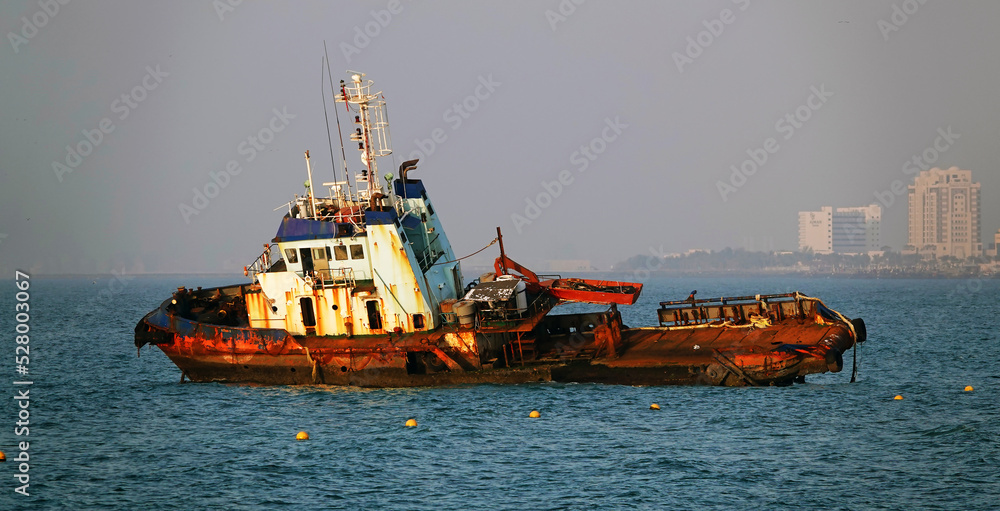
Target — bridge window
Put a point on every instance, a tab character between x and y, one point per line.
357	252
340	252
319	253
291	255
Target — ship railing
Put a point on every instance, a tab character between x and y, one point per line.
431	254
331	277
357	220
403	209
738	310
449	318
263	262
427	258
336	214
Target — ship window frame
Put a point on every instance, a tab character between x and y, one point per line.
357	251
319	254
340	252
291	255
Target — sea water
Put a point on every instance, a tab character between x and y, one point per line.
109	430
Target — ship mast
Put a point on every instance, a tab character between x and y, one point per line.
372	131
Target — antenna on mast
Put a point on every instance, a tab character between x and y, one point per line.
340	132
326	116
372	133
312	196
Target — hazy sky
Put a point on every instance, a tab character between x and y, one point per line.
665	96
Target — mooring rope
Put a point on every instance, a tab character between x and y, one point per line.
470	255
839	315
315	366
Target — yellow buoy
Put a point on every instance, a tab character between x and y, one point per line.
534	414
302	436
412	423
898	397
654	406
968	388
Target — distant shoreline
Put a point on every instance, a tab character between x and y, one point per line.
129	274
630	275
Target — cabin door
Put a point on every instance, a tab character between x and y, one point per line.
374	315
308	313
305	255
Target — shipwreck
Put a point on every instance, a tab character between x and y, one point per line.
362	287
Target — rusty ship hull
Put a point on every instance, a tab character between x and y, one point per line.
697	343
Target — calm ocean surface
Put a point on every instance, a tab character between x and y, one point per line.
112	431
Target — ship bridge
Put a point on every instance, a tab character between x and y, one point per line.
367	259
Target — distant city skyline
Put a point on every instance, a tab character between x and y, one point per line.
943	219
842	230
944	213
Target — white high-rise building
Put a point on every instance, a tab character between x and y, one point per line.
944	213
816	230
841	230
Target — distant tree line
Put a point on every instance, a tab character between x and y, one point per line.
740	260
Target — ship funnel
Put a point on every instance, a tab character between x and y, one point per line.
405	167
